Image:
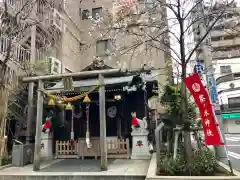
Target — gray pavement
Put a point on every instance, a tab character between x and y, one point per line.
76	165
233	148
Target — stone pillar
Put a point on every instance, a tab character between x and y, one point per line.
140	148
46	146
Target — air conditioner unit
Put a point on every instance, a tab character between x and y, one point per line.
57	20
54	65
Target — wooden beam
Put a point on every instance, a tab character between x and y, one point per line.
103	142
37	150
76	74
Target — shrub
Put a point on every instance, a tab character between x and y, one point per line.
203	164
171	166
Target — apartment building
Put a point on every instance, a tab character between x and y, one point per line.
48	43
52	44
225	42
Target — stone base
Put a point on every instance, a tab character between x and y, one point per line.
141	157
140	148
46	146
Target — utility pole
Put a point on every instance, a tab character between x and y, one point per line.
209	72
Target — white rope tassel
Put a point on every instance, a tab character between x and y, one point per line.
89	145
72	126
72	135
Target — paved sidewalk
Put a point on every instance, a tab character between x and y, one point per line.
73	167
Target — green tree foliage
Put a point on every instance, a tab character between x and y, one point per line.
171	99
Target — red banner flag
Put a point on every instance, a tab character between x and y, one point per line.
200	95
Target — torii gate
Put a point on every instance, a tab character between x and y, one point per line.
40	80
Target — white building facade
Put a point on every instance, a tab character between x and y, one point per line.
227	73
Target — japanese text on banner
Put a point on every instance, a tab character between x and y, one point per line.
200	95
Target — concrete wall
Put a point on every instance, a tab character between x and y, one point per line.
231	126
71	56
131	60
223	96
233	62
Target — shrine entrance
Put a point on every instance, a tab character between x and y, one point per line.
40	99
94	111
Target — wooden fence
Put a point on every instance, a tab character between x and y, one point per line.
116	149
64	149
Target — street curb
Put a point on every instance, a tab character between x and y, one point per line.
226	167
151	174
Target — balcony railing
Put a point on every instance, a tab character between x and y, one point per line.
17	53
19	5
226	54
46	14
49	16
226	43
22	56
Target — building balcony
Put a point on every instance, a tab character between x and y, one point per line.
15	6
226	43
22	58
50	17
18	54
223	33
226	54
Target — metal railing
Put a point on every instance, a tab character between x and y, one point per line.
49	16
18	54
19	5
226	54
46	14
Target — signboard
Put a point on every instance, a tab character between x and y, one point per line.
212	89
68	84
231	116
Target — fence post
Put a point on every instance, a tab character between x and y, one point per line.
128	147
56	149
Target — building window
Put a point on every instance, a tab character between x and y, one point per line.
96	12
234	102
103	47
85	14
225	69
